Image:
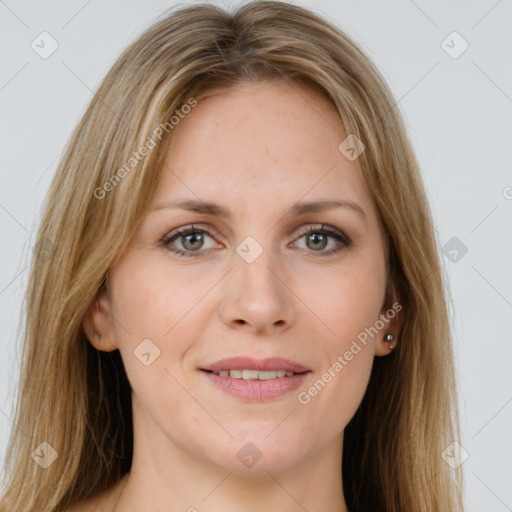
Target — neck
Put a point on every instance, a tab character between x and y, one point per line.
165	478
288	492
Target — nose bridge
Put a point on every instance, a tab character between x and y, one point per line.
257	270
260	277
256	294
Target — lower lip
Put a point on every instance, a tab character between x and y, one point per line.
257	390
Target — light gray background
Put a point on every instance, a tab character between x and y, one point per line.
458	112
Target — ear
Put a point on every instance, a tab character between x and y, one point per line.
98	324
392	317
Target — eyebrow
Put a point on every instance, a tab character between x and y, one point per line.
209	208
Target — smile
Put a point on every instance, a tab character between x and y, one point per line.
252	387
254	374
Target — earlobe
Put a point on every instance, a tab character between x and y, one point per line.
386	344
98	325
388	337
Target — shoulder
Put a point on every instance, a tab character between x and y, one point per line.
104	501
83	506
89	505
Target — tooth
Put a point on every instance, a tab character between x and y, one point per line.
254	374
266	375
249	374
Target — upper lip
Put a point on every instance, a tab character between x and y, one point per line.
249	363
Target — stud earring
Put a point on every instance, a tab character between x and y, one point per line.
388	337
98	333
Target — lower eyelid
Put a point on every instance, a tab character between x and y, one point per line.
340	237
167	241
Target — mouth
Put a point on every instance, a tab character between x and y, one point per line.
249	364
247	374
256	380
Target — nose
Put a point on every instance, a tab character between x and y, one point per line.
258	297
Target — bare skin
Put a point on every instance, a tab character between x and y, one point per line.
257	151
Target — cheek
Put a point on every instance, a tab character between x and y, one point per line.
150	306
348	302
349	306
330	402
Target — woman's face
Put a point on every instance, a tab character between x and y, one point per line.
252	285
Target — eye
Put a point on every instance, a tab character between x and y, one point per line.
317	239
192	240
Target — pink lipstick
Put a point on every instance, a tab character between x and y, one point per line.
256	379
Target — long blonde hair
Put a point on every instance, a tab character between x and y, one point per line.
78	399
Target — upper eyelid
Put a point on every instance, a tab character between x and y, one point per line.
211	231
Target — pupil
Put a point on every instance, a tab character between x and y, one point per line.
314	237
193	237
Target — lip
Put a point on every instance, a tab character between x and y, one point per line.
249	363
256	390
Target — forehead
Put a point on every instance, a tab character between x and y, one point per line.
261	143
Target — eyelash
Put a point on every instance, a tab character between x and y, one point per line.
166	240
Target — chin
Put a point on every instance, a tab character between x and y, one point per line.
261	452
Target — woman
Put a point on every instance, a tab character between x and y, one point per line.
237	298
